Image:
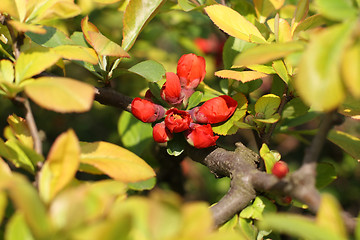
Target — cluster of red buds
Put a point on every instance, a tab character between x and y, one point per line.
176	91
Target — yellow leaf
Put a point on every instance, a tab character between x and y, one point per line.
106	47
54	9
80	53
351	69
284	29
21	130
32	63
233	23
329	216
25	27
6	71
61	165
264	8
15	8
244	76
87	27
117	162
61	94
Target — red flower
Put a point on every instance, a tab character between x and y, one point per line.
215	110
191	70
171	90
161	134
201	136
177	120
146	110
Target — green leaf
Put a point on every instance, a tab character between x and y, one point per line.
294	108
264	8
351	70
269	157
296	226
135	135
268	105
16	154
116	162
32	63
247	228
336	9
105	47
72	52
149	69
60	167
350	107
261	205
325	174
347	142
195	99
234	24
61	94
52	38
6	71
176	146
281	70
302	9
3	200
137	14
267	52
329	216
143	185
21	130
309	23
186	5
234	46
272	119
17	228
319	78
228	127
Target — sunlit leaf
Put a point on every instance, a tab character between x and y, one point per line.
87	27
143	185
350	107
264	8
267	104
106	47
60	166
296	226
265	53
243	76
347	142
329	216
137	14
61	94
14	8
192	215
115	161
52	38
281	70
310	23
80	53
351	69
54	9
21	130
336	9
21	155
149	69
195	99
228	127
25	27
284	30
262	68
319	80
270	157
17	228
233	23
301	11
3	198
6	71
261	205
31	63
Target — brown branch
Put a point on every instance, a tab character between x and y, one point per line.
110	97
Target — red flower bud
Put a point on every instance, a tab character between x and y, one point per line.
191	70
177	120
280	169
200	136
215	110
171	90
161	134
146	111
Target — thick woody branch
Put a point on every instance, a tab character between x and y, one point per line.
110	97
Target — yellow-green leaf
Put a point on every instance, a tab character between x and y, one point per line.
6	71
267	52
21	130
233	23
284	29
80	53
137	14
61	94
319	77
329	216
347	142
243	76
106	47
60	166
268	105
87	27
351	69
301	11
264	8
26	27
270	157
54	9
32	63
281	70
117	162
15	8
